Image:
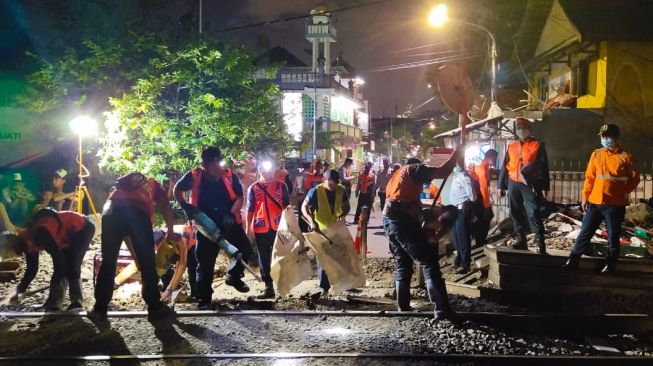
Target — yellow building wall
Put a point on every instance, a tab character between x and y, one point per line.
596	81
629	100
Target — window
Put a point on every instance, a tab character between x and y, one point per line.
580	78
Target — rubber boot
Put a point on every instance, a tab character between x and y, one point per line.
438	295
75	293
403	295
541	245
521	243
573	262
267	293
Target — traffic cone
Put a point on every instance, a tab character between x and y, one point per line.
359	239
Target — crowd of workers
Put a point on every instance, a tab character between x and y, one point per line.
322	198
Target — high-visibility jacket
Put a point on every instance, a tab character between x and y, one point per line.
144	197
365	181
610	177
312	180
227	179
267	214
520	154
481	174
62	230
324	216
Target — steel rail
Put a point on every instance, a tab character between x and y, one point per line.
454	358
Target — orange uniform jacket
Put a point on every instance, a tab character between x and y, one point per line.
366	181
520	154
610	177
62	231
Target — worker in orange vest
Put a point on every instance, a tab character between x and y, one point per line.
364	190
525	174
483	207
129	212
409	242
65	235
316	176
267	198
217	192
609	178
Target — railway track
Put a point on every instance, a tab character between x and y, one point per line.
286	327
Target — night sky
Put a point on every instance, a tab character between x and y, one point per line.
368	38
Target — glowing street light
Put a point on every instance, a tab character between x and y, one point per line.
439	16
83	126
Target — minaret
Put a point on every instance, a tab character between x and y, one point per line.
321	33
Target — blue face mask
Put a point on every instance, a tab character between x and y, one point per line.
607	142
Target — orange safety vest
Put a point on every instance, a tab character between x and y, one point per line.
144	197
267	214
62	230
312	180
482	175
520	154
364	180
402	188
227	179
610	177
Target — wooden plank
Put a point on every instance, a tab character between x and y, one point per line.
463	289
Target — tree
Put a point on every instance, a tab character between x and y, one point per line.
162	103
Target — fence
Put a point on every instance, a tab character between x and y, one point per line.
567	180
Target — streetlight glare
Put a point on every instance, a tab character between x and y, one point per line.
438	15
84	126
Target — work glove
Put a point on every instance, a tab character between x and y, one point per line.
189	210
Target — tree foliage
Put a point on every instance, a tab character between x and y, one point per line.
161	103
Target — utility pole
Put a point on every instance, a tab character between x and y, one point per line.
200	25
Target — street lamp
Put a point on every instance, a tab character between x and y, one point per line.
83	126
439	16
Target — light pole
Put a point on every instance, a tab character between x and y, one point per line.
83	126
438	16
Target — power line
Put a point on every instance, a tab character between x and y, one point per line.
432	61
296	17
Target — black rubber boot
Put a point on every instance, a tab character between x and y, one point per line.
267	293
573	262
403	295
541	245
521	243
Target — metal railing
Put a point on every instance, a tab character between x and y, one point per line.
566	180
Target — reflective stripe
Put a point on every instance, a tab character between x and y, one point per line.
612	178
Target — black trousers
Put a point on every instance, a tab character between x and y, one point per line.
484	216
364	199
265	243
206	253
613	216
73	258
117	223
462	237
524	209
381	200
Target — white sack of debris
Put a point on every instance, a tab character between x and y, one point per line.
290	263
336	253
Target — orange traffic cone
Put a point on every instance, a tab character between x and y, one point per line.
359	239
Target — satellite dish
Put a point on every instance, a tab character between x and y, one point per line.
455	88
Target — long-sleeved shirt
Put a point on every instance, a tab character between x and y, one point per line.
610	177
462	189
45	241
382	178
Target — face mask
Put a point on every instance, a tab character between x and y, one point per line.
457	169
522	133
607	142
